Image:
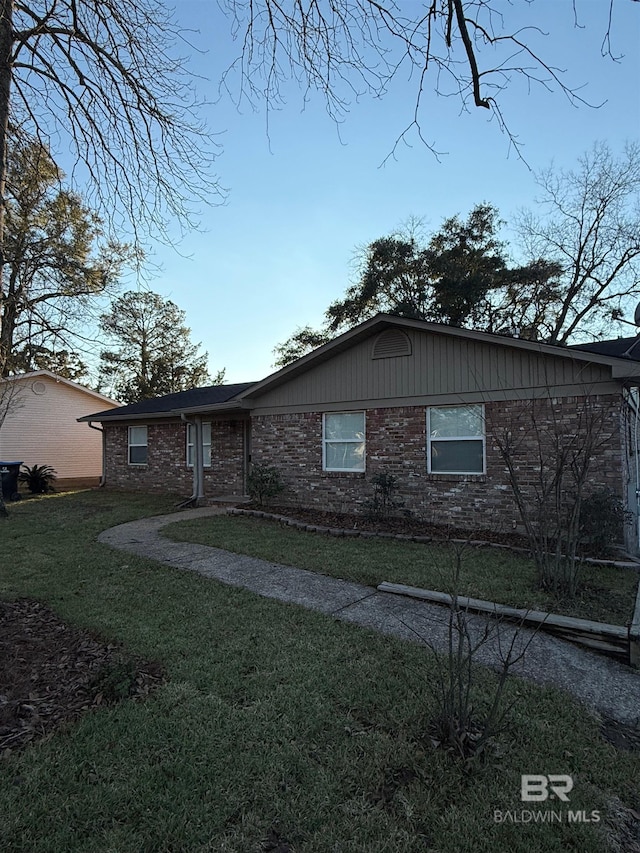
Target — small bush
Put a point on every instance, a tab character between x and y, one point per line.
602	520
385	499
264	482
38	479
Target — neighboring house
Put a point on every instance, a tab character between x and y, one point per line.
430	404
38	425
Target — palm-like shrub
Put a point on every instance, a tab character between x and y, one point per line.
38	479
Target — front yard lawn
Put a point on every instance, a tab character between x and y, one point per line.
277	728
608	594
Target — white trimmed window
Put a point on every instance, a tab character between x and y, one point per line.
456	441
137	453
343	441
206	444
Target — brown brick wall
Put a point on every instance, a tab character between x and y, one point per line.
166	469
396	442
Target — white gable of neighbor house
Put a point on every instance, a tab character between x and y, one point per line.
40	426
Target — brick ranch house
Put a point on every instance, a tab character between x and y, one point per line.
434	405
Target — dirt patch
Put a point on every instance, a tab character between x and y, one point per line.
51	673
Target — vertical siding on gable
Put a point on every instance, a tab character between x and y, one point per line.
439	365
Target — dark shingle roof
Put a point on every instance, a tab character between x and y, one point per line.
619	347
181	400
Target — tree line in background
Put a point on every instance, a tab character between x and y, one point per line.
582	271
153	352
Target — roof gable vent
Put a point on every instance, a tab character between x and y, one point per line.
391	344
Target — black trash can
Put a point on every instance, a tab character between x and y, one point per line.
9	472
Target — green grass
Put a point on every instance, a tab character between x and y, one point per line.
275	723
607	594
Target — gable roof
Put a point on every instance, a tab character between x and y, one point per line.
620	354
60	380
621	368
170	405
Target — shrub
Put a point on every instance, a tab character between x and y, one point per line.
38	479
467	722
385	499
602	519
264	482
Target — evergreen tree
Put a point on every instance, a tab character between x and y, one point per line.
153	352
58	262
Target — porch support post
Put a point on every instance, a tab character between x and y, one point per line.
198	461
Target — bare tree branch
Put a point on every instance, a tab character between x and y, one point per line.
103	79
347	48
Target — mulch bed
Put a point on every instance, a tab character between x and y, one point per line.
393	524
416	527
51	673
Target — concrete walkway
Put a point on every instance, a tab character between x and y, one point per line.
602	684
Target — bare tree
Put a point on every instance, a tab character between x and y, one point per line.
9	402
465	722
548	456
104	80
587	223
469	49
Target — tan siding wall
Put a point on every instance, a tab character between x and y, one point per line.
439	366
41	429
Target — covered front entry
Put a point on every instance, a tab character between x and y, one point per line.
218	449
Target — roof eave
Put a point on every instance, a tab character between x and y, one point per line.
625	370
218	408
102	417
19	377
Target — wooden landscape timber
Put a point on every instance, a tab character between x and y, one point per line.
616	640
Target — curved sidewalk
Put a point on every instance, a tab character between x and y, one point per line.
603	684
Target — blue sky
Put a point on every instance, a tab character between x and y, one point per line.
302	198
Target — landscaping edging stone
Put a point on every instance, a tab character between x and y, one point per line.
364	534
407	537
